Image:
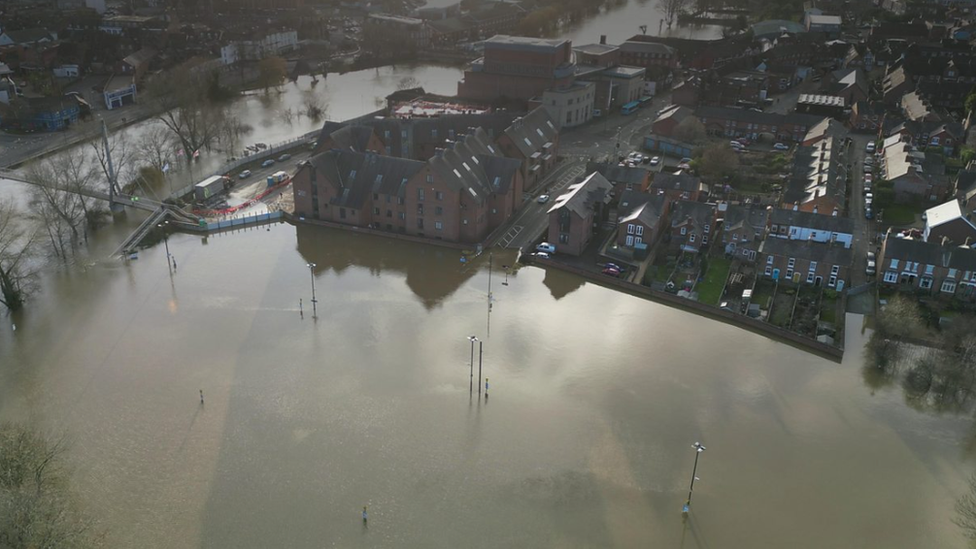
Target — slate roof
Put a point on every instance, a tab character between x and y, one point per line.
738	215
359	174
643	207
647	47
697	213
29	36
809	220
140	57
821	252
928	253
681	182
767	118
817	171
532	131
352	138
463	166
579	198
966	181
615	173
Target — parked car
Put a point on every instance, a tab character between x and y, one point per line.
655	161
869	160
744	140
284	157
245	174
543	198
268	162
614	266
611	271
871	269
868	178
546	247
736	145
781	147
867	188
871	256
867	213
684	166
870	147
541	255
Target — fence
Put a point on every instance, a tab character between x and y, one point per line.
245	220
260	155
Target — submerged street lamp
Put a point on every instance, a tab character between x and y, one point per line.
472	339
163	226
698	450
311	271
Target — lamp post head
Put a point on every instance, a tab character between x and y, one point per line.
310	265
472	339
698	447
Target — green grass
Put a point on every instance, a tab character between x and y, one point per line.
710	288
828	310
902	214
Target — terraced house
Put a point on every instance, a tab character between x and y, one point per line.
928	267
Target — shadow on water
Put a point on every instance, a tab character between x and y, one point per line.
432	273
561	284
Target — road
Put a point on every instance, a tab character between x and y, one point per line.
532	220
864	230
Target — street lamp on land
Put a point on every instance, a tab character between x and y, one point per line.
311	272
698	450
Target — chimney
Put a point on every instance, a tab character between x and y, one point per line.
796	206
603	39
815	209
836	213
439	152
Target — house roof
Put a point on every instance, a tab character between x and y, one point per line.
616	173
140	57
827	128
738	215
647	47
29	36
821	252
915	106
943	213
523	42
966	181
580	197
928	253
595	49
824	19
698	214
532	131
639	206
678	181
809	220
472	164
818	171
765	118
353	138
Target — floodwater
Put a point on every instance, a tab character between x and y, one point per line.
595	400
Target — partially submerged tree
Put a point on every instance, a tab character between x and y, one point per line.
36	506
62	198
187	108
155	148
16	247
670	10
272	71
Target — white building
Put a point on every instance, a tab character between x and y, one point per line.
811	227
272	44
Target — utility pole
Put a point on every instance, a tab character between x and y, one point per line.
472	339
311	271
698	450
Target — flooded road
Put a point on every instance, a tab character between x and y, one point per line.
596	398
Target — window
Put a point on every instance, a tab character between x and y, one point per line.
789	273
420	223
563	238
640	230
420	209
433	133
832	282
769	270
450	133
706	228
438	210
569	119
352	174
835	269
691	238
894	264
769	260
376	196
791	263
379	179
929	269
704	239
420	193
952	273
890	277
430	178
439	195
949	286
684	231
925	283
402	215
630	228
376	211
813	265
438	226
735	237
400	201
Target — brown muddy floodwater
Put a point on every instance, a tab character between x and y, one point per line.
596	399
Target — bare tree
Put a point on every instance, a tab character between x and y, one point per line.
63	198
313	107
122	159
155	148
408	82
186	108
670	10
16	246
36	507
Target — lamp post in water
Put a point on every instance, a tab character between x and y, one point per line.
698	450
472	339
311	271
164	225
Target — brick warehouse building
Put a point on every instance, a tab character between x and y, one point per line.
518	68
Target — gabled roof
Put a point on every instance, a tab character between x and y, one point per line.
530	132
818	171
809	220
765	118
616	173
678	181
471	164
643	207
739	215
359	174
29	36
661	50
928	253
579	198
698	214
352	138
140	57
821	252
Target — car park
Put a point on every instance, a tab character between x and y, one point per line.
655	161
781	147
284	157
244	174
546	247
543	198
268	162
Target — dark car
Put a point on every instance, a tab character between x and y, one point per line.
611	271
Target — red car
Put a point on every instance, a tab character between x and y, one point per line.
611	271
